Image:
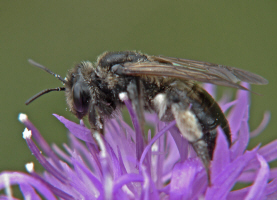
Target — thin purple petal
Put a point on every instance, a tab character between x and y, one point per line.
19	178
148	147
239	145
269	151
271	190
257	189
127	179
77	130
223	183
136	124
228	105
237	113
183	176
43	161
210	88
181	142
28	192
221	156
39	139
55	190
262	125
2	197
149	191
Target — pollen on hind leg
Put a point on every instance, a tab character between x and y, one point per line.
187	123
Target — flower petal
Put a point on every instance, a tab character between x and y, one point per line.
239	145
77	130
221	156
183	176
262	125
39	139
136	124
271	191
269	151
223	183
18	178
237	113
257	189
28	191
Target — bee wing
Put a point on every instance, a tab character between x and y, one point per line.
193	70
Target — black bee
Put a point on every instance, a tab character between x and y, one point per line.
161	84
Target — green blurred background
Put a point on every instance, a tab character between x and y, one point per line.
60	34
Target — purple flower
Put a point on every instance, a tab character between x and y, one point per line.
120	166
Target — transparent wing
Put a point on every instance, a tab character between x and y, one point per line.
192	70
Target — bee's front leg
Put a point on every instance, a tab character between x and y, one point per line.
135	94
95	120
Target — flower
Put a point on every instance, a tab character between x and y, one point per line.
120	166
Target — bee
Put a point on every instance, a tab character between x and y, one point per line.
165	85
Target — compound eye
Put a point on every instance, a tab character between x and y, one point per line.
81	98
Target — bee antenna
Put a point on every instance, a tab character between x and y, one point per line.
42	93
46	69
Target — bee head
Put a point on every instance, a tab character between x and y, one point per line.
79	90
81	97
76	87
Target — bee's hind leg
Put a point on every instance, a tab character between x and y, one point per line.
187	123
201	148
191	130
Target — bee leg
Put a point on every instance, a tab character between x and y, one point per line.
191	130
134	90
201	148
97	125
172	103
95	120
210	139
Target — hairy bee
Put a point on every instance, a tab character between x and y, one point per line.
161	84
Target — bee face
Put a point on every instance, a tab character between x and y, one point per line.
78	96
79	92
81	98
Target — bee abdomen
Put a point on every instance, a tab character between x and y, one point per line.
208	112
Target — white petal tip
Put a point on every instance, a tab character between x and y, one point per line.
22	117
27	133
123	96
29	167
